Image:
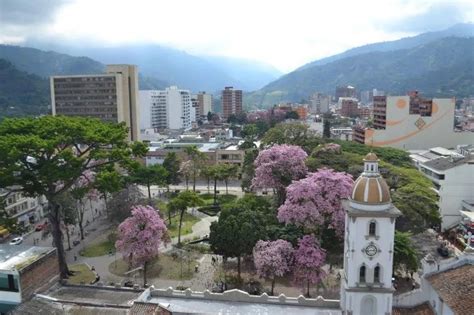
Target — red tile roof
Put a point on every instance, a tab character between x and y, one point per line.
456	288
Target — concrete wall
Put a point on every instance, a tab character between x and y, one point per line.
417	132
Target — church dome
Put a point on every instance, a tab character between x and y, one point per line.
371	188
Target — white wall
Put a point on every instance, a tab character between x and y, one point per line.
145	100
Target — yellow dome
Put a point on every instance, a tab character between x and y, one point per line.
371	157
370	190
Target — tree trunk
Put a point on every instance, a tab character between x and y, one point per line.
238	268
273	285
144	273
149	191
187	182
208	185
179	227
307	291
169	216
226	187
215	191
106	205
80	209
281	194
92	210
194	180
54	220
68	236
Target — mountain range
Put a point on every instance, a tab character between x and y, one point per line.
436	63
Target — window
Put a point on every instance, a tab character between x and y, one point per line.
372	228
362	274
8	283
377	274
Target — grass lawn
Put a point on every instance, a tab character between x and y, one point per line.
188	221
221	199
81	273
98	249
164	267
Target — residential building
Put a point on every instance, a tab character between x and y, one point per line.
24	272
112	96
231	102
349	107
319	103
453	177
302	112
230	154
366	282
345	91
168	109
26	210
413	123
204	105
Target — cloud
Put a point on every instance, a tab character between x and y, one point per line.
28	13
437	16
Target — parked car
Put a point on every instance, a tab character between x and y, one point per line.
40	227
16	241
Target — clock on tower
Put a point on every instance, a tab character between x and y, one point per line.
366	284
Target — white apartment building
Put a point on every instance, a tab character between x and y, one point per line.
166	109
319	103
453	177
26	210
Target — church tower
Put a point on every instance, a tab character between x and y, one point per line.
366	283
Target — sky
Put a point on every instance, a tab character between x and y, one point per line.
283	33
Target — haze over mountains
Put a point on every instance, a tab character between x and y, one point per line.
436	63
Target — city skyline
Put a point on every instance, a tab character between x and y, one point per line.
280	34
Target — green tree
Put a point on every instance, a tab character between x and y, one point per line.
405	256
216	172
197	158
228	171
68	213
295	133
181	203
171	164
108	181
248	169
46	155
240	224
149	175
326	128
292	115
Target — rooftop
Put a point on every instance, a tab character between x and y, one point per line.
445	163
456	288
422	309
19	256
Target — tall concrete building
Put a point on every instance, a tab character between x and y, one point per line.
204	104
413	123
319	103
349	107
345	91
231	101
166	109
112	96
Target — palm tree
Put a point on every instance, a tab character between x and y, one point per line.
196	157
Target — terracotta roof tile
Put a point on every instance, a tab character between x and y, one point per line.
422	309
456	288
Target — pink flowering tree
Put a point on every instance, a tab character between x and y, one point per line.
139	237
309	258
273	259
314	202
277	167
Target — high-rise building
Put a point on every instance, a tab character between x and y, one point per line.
345	91
231	101
112	96
319	103
366	282
168	109
204	102
349	107
413	123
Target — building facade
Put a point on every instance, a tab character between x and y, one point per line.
319	103
167	109
26	210
413	123
204	105
111	97
366	283
349	107
231	102
345	91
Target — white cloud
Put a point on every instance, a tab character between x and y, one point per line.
286	34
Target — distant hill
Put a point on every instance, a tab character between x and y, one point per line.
22	93
442	67
458	30
197	73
